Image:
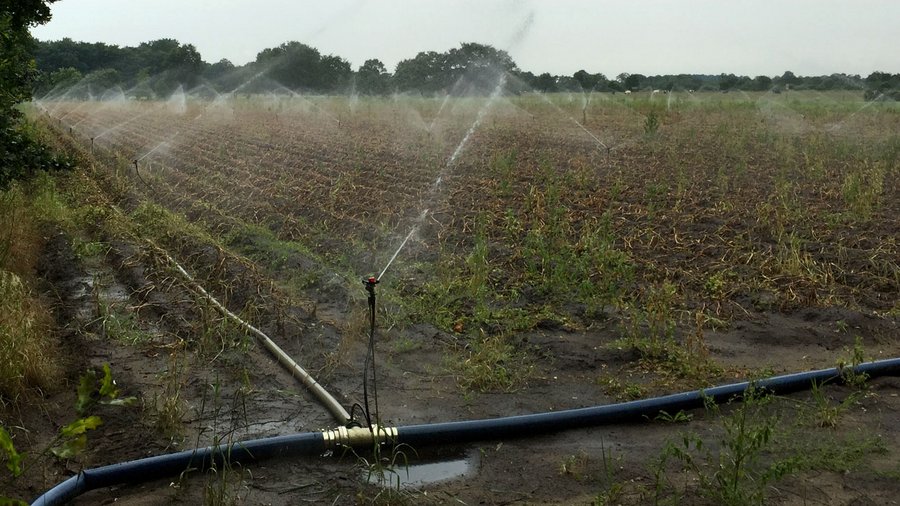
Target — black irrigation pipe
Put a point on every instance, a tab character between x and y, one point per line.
316	443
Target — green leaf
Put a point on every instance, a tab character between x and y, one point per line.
86	388
81	426
107	384
74	437
70	447
14	459
7	501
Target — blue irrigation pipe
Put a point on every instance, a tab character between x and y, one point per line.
316	443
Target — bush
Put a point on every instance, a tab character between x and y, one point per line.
23	153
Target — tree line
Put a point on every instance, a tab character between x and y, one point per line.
157	68
21	152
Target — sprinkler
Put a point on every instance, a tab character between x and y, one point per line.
92	145
370	283
137	172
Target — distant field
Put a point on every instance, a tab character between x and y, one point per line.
729	198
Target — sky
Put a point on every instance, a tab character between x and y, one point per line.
761	37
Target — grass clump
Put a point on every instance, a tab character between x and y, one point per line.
26	349
757	446
491	364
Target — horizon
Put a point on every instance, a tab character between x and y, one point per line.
807	38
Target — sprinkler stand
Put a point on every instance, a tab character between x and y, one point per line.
370	283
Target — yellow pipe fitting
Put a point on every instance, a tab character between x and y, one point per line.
356	437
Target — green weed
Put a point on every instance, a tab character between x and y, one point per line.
825	412
863	188
491	364
734	473
384	469
169	405
92	390
12	457
651	123
855	356
621	390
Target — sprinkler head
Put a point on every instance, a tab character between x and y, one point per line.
370	283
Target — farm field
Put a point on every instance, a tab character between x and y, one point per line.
535	253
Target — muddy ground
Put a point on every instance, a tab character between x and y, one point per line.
241	393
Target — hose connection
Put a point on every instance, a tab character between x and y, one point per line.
356	437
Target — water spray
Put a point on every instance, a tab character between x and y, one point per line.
402	244
435	186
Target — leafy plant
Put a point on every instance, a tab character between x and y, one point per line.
651	123
92	390
103	390
612	488
825	412
735	473
575	465
856	356
13	458
72	438
678	417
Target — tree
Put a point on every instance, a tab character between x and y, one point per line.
17	68
19	152
57	80
545	83
334	73
182	65
588	81
728	82
425	73
218	69
471	68
633	81
788	79
476	68
762	83
292	64
373	78
882	81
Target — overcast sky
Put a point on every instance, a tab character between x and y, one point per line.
808	37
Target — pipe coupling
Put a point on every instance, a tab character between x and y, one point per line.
358	436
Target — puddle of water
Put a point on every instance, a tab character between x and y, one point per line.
97	283
420	473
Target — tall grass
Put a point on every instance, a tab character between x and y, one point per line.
25	343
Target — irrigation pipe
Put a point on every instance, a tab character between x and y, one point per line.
338	411
316	443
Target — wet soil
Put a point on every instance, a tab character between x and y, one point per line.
241	393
